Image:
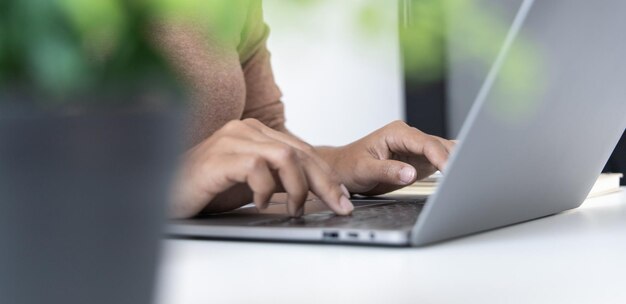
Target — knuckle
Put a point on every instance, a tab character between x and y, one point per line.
302	156
220	132
254	162
416	130
433	140
285	153
232	125
399	123
308	149
252	122
430	144
224	141
220	141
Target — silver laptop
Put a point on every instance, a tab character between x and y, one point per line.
520	157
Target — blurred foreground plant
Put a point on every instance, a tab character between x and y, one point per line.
59	52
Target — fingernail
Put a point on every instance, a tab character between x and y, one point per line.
407	174
443	167
345	191
346	204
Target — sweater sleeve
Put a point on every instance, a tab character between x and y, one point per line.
262	94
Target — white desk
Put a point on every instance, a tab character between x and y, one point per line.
575	257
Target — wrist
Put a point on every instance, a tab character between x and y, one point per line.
328	154
336	160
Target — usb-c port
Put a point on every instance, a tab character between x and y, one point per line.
330	235
353	235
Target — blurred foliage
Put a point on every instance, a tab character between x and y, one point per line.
59	49
425	27
484	29
57	52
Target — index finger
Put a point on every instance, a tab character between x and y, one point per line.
418	143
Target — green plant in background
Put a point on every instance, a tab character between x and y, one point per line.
424	35
48	48
485	30
76	52
68	51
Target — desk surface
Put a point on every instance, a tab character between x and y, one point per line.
578	256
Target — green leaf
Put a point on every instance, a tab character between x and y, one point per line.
100	23
58	67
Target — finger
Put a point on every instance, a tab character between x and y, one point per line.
321	182
318	173
448	144
291	173
436	153
413	141
290	140
283	159
213	179
327	188
261	181
392	172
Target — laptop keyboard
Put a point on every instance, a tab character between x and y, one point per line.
386	216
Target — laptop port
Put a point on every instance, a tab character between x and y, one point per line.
330	235
353	235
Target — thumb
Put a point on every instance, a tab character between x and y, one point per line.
393	172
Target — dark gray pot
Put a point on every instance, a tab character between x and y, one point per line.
82	205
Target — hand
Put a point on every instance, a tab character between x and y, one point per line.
247	152
388	159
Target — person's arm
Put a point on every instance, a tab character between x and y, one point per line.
263	97
388	159
234	161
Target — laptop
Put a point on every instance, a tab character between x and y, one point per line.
522	155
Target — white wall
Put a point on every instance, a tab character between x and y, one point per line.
339	81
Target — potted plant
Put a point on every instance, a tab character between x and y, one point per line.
89	119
